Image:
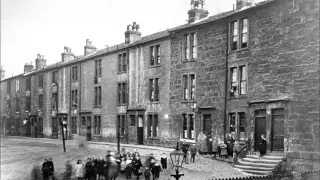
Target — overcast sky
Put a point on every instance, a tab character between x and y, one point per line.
29	27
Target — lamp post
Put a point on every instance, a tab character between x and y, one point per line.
177	160
63	123
118	137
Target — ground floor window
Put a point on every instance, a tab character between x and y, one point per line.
237	125
55	125
153	125
132	120
121	122
97	124
40	124
74	125
188	126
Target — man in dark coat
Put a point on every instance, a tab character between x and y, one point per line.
156	171
185	148
51	166
136	166
45	170
263	145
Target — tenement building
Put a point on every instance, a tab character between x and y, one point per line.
246	72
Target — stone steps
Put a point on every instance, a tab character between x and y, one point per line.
255	165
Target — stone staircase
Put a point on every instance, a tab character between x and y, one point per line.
255	165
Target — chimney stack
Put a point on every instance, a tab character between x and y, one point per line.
89	48
243	3
28	67
132	34
67	55
197	11
40	62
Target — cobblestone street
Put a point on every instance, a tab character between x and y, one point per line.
19	155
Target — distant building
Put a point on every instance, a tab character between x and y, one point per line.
247	72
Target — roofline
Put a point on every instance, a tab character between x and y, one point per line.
12	77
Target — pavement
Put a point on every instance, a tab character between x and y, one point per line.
19	154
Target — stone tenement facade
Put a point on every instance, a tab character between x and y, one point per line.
247	72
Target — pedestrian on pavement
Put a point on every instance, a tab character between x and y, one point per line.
89	169
229	141
147	173
163	161
128	169
185	148
263	145
193	150
214	147
223	152
68	171
236	151
45	170
156	171
100	167
51	166
79	170
136	167
95	164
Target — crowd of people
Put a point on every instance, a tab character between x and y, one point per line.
108	167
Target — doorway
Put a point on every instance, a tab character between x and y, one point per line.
89	134
277	142
260	127
207	125
140	129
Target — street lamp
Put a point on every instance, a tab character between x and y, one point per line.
63	123
177	160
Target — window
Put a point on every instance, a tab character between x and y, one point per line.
74	74
189	87
74	125
9	87
40	80
121	122
97	125
97	67
74	98
132	120
54	101
190	46
122	93
97	96
83	120
55	77
28	84
54	125
153	125
122	63
17	84
188	126
17	104
239	27
41	102
28	103
155	55
237	124
154	89
238	76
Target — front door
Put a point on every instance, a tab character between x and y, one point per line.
260	127
277	130
207	125
140	129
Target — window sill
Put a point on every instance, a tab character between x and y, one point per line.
154	102
97	107
121	104
239	97
154	66
239	50
153	138
192	60
122	72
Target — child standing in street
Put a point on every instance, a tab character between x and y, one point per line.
163	161
147	173
224	151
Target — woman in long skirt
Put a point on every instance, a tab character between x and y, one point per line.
263	145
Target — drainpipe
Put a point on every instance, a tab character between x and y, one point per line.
226	81
128	80
79	99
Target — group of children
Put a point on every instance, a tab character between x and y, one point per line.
125	163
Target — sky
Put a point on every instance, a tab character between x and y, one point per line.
31	27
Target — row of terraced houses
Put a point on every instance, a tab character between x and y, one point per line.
250	71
